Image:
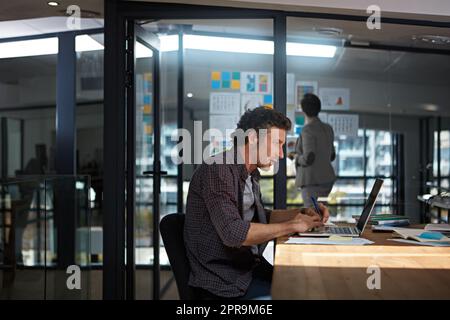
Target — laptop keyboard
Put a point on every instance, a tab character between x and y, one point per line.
341	230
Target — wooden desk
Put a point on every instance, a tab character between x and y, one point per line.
340	272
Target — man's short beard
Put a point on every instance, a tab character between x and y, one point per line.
266	167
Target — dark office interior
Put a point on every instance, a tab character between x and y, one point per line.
87	118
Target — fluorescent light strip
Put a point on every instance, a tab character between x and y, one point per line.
86	43
169	43
256	46
39	47
28	48
142	51
310	50
227	44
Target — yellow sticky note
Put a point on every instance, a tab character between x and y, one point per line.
147	109
215	75
148	129
235	84
148	76
339	238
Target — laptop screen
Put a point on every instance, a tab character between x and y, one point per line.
368	207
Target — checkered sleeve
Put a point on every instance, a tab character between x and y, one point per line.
221	202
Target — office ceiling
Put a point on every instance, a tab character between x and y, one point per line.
92	10
323	30
28	9
389	34
354	62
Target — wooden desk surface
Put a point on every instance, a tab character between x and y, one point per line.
340	272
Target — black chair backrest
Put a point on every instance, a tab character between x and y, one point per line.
171	227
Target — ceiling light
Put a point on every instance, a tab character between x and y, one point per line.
53	3
227	44
256	46
86	43
39	47
310	50
189	95
83	43
168	43
142	51
430	107
27	48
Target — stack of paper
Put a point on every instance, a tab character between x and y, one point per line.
386	220
333	240
443	227
422	236
432	244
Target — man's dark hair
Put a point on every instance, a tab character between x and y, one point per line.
311	105
263	118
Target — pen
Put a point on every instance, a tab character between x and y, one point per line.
316	206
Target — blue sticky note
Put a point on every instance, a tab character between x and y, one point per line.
267	99
431	235
226	76
215	84
147	99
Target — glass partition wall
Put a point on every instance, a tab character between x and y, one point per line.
377	89
208	70
46	218
375	92
36	240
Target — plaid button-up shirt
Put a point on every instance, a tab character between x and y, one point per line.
215	228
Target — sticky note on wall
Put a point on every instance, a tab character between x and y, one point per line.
147	109
235	84
226	76
215	75
148	129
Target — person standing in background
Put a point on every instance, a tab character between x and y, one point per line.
314	152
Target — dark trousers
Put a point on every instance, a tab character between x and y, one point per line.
259	286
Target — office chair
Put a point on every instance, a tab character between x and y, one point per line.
171	227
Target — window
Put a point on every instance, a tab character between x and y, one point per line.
27	121
358	161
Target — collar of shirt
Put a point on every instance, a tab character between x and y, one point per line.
314	119
235	157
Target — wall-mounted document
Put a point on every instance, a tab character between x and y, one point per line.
290	88
224	103
344	124
256	82
335	98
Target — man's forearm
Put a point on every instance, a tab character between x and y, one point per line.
283	215
260	232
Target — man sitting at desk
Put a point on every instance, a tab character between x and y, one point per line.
226	226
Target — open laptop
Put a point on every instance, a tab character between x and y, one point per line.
362	222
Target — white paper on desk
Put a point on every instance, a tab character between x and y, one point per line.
431	244
268	252
443	227
351	242
383	228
